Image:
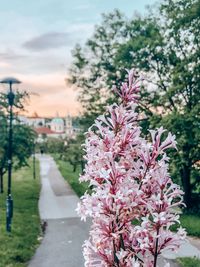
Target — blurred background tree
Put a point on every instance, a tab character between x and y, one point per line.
23	136
94	63
164	47
54	145
74	152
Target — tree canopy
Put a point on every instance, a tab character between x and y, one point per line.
23	136
163	47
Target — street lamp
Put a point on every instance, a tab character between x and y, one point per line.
9	201
34	171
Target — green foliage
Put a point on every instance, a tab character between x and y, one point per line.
20	99
18	247
23	142
23	137
189	262
3	139
74	152
164	47
54	145
90	68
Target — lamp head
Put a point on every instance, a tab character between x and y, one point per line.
9	80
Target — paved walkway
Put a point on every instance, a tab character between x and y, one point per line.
65	233
186	250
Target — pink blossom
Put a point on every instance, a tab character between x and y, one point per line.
133	199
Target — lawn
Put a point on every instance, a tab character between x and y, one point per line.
17	247
191	223
72	178
188	262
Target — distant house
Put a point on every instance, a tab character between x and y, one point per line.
45	132
56	127
35	120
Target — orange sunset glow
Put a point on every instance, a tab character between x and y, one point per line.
50	94
36	47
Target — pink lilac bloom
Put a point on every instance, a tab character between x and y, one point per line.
133	199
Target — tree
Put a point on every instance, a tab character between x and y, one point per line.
23	137
164	46
95	61
74	152
3	148
54	145
170	54
183	17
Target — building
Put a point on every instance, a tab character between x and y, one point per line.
69	129
35	120
45	132
56	127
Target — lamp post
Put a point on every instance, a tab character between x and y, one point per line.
34	171
9	201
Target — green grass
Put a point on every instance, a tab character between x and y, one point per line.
72	178
17	247
191	223
188	262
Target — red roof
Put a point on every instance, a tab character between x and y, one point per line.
45	130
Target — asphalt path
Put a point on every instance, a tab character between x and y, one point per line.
65	233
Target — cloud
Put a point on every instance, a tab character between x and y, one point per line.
9	54
52	40
48	41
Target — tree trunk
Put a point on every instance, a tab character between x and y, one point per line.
74	167
1	181
185	175
82	165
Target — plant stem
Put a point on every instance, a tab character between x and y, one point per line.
156	250
116	260
122	242
147	168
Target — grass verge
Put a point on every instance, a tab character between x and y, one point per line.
72	178
188	262
191	223
17	247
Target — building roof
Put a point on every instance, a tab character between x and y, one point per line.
58	120
44	130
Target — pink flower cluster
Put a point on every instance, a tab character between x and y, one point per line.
133	200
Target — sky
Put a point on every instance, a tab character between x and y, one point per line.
36	40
